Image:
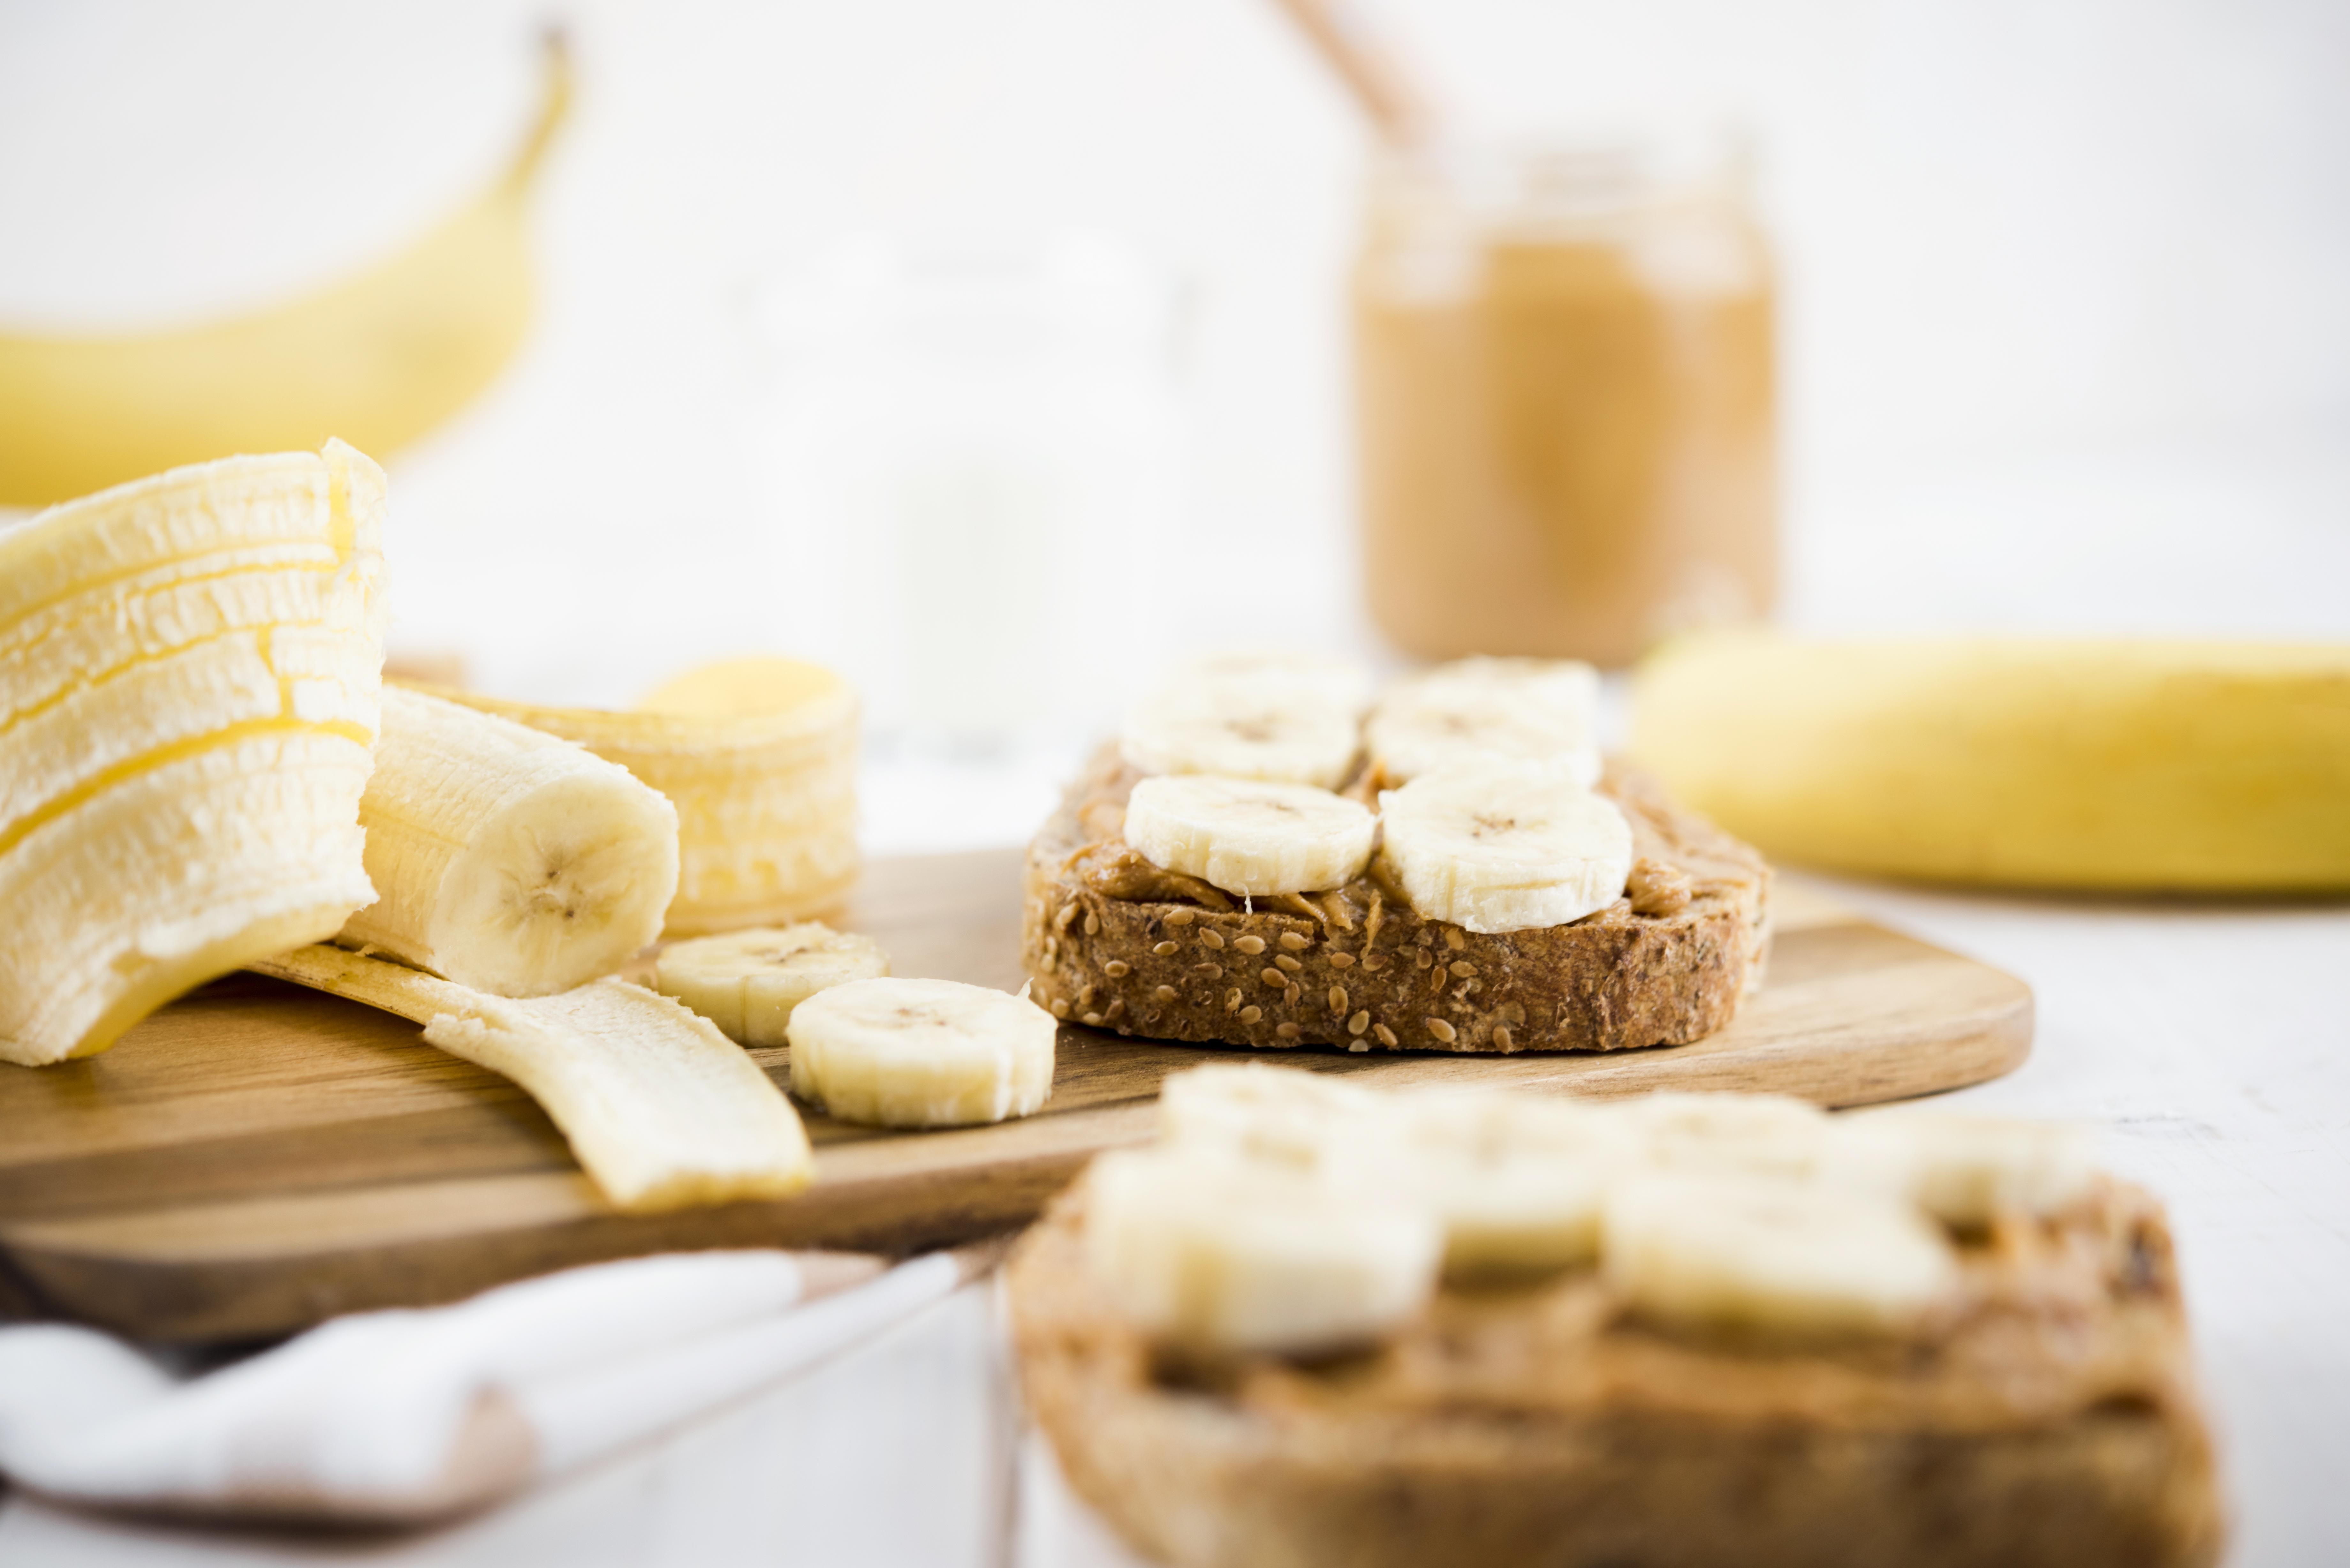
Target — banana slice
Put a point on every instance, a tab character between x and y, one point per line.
189	673
1490	711
1251	836
1206	1249
759	757
1314	677
921	1052
1731	1134
1737	1251
1244	729
748	982
507	860
661	1109
1518	1181
1503	848
1968	1171
1283	1114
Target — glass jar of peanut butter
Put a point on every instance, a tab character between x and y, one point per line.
1563	369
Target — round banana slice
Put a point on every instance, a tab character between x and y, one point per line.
1803	1257
1517	1180
748	982
1312	676
1968	1171
1284	1114
1254	838
1489	709
921	1052
1243	730
1503	848
507	860
1224	1253
1730	1134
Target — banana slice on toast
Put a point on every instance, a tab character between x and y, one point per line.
1503	847
1251	837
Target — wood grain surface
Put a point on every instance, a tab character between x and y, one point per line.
255	1157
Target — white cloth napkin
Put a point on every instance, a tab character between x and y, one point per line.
411	1415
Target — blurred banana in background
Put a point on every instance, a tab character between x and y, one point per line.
2142	766
377	359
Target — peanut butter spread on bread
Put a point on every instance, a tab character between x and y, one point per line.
1113	940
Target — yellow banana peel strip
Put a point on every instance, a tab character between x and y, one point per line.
662	1110
2146	765
377	359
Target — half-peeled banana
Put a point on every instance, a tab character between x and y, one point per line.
759	757
507	860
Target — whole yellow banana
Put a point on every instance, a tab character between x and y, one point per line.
2145	765
377	359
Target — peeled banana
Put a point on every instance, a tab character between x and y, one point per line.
1503	846
759	757
661	1109
748	982
189	685
505	859
379	358
1249	835
1490	711
1223	1254
2149	765
921	1054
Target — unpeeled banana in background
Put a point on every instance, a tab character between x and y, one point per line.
759	757
377	360
2123	764
504	859
189	691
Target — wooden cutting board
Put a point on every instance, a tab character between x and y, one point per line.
255	1157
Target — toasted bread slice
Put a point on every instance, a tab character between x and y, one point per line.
2053	1422
1112	941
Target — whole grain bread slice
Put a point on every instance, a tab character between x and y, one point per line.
2053	1423
1112	941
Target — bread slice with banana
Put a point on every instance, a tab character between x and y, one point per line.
1672	1330
1462	888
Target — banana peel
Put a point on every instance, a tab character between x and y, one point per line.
377	359
2131	765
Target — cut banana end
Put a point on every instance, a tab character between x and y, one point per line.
1279	732
189	670
748	982
1251	836
1756	1253
1209	1251
921	1054
1503	848
661	1109
759	757
507	860
1477	711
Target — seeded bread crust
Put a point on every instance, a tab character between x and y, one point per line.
1111	940
2054	1421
